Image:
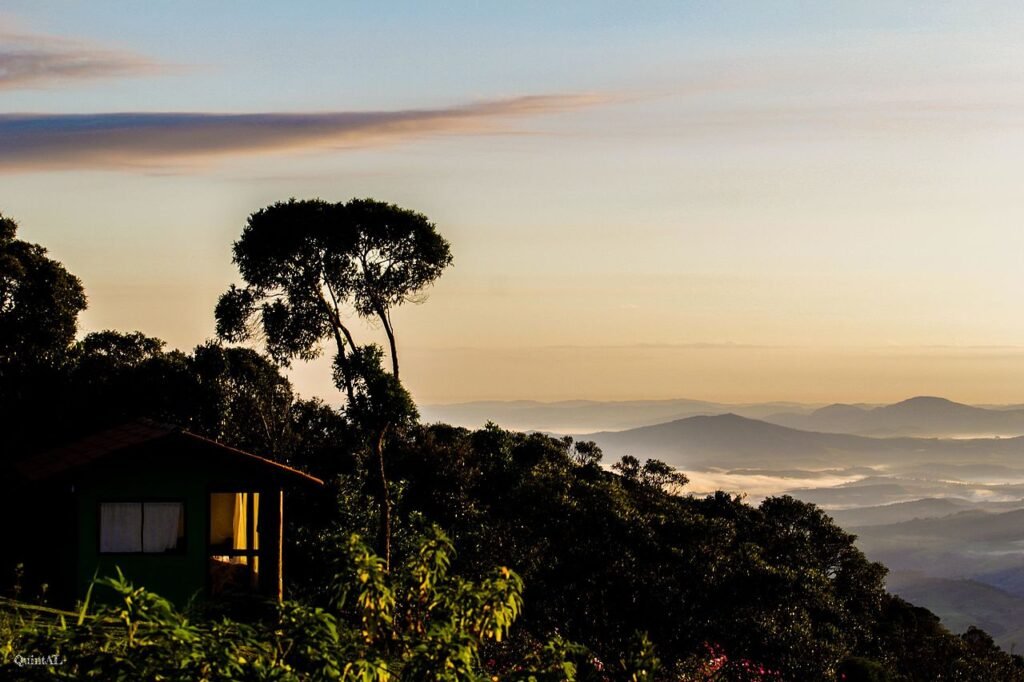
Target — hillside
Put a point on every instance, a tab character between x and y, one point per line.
967	526
980	545
962	603
730	440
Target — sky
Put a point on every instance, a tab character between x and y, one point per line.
733	201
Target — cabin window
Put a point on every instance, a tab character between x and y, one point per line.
142	527
234	541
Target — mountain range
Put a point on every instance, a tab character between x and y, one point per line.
573	416
922	416
924	508
730	440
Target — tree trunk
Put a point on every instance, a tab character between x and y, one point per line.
385	503
382	313
394	352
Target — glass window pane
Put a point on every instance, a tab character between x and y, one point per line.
222	520
120	527
229	521
241	521
163	526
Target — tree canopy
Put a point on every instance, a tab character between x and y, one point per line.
39	303
308	264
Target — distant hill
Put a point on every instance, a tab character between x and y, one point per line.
921	416
982	546
965	567
1009	580
973	526
730	441
962	603
886	491
574	416
974	471
933	507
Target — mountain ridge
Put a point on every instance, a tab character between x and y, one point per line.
731	440
919	416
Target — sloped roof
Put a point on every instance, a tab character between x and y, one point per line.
85	451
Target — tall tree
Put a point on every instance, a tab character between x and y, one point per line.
39	302
397	254
39	305
308	266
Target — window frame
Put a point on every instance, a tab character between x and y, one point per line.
180	550
251	524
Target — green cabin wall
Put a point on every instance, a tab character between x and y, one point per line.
63	536
177	577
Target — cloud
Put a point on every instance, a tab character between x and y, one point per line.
127	140
31	60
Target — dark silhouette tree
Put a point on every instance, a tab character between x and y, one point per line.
39	303
244	399
308	266
587	452
397	254
113	377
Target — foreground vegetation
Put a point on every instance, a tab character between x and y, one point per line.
416	623
608	573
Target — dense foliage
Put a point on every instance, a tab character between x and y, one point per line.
418	622
612	573
39	303
775	591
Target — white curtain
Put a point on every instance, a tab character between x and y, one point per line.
120	527
161	525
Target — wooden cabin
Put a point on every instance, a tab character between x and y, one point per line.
179	514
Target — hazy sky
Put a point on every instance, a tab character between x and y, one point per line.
736	201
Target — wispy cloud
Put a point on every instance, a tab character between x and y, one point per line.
153	140
30	60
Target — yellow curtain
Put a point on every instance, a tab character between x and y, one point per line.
241	521
256	520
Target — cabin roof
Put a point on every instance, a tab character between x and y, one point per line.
88	450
